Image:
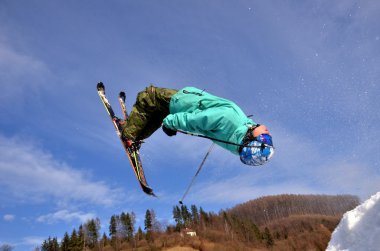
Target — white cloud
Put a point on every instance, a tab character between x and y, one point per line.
19	72
30	174
15	62
32	241
65	215
243	188
9	217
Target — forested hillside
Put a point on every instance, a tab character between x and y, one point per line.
284	222
269	208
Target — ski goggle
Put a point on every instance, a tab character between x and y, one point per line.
265	140
258	151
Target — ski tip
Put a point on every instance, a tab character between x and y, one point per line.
100	86
148	190
152	194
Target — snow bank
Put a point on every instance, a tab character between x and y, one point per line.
359	228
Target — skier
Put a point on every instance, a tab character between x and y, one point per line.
195	111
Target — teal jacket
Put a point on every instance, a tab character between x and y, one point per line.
196	111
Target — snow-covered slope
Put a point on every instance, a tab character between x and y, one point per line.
359	228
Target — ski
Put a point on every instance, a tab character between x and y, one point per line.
131	151
122	104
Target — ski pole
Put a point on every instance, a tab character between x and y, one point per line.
196	174
206	137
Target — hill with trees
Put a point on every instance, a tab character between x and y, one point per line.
283	222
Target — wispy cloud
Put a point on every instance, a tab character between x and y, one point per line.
19	72
18	63
31	241
30	174
8	217
243	188
65	215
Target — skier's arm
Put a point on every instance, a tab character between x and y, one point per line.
198	122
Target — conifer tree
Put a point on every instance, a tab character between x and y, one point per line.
65	242
148	222
268	237
204	218
127	222
113	227
129	226
92	232
194	215
51	244
139	234
186	216
104	240
81	238
122	226
256	231
75	242
177	218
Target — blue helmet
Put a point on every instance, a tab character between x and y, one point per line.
258	151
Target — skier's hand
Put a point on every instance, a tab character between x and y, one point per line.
262	129
169	131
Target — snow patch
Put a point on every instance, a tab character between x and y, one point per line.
359	228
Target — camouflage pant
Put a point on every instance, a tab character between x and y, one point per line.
150	109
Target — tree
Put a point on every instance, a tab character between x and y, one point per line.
139	235
148	222
256	231
81	238
92	232
127	225
51	244
65	243
75	241
186	216
104	240
113	226
156	225
194	215
177	218
6	247
268	237
204	218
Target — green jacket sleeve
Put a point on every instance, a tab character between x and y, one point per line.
198	121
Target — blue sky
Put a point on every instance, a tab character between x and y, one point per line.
308	70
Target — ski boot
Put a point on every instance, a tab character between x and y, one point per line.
136	144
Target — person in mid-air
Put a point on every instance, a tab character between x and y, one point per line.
195	111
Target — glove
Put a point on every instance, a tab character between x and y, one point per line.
169	131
